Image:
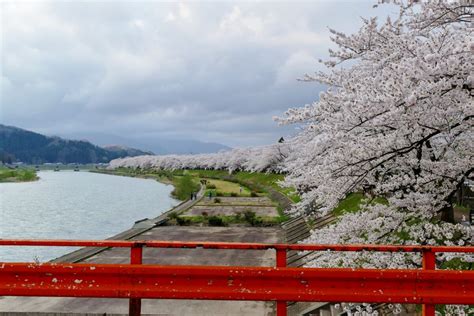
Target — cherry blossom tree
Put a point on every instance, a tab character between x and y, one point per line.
254	159
398	120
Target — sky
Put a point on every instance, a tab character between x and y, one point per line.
205	70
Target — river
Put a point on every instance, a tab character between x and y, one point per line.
75	205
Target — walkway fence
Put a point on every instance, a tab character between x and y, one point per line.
135	281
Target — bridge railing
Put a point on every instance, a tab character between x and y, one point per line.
428	286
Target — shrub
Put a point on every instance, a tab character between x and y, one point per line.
215	221
234	194
210	186
219	193
205	214
252	219
253	194
257	221
173	215
249	215
238	216
182	221
217	200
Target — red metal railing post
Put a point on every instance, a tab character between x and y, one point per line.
281	262
429	263
135	304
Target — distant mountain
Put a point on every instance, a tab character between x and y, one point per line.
158	145
124	151
17	144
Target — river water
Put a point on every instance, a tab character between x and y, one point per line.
75	205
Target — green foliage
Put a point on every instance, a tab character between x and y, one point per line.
233	194
173	215
184	186
249	215
256	181
251	218
225	220
457	264
210	186
183	221
17	175
215	221
350	204
253	194
353	202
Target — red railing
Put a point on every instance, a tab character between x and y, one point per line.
135	281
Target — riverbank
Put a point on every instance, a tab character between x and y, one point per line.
17	175
184	185
256	182
219	184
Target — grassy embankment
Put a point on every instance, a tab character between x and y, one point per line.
17	175
220	184
258	183
184	184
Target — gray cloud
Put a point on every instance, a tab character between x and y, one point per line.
214	71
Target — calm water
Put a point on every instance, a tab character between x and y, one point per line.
75	205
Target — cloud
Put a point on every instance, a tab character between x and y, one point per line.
212	71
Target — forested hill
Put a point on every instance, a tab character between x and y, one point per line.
17	144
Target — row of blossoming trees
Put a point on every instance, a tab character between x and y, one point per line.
255	159
396	120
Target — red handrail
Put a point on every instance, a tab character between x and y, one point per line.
278	284
230	245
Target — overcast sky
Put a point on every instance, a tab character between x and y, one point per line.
212	71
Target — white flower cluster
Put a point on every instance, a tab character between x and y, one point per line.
379	224
396	122
398	119
255	159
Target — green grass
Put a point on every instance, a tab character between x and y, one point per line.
269	180
184	186
233	220
17	175
353	201
255	181
350	204
227	187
